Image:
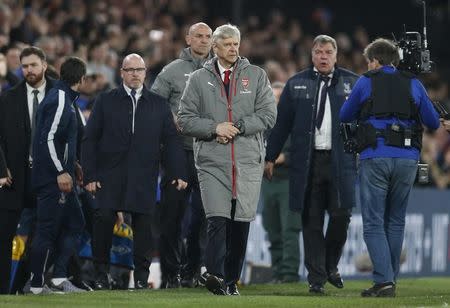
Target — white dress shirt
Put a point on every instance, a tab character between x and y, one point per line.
138	92
222	70
135	102
30	97
323	135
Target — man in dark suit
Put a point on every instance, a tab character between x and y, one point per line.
17	112
121	156
322	176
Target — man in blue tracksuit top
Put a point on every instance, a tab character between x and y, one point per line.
59	216
391	107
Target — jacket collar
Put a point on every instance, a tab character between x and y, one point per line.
186	55
238	65
61	85
49	83
315	75
123	93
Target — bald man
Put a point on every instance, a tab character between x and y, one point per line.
121	156
170	84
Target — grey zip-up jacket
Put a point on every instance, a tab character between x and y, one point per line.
233	170
171	81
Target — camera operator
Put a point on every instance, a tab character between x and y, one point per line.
391	107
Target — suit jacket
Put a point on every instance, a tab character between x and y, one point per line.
15	138
127	164
297	112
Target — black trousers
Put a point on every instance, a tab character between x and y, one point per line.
60	222
322	252
104	220
225	251
8	222
174	204
172	211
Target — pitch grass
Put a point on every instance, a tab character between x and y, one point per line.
423	292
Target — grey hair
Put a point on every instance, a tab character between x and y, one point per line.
225	32
324	39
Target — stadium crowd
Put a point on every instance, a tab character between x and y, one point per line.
102	32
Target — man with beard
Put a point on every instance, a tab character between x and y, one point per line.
18	108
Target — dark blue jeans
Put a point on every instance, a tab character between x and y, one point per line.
385	184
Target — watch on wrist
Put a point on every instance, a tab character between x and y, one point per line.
240	125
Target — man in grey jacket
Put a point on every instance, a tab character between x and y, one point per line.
226	106
170	84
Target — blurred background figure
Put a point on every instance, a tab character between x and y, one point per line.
282	225
7	79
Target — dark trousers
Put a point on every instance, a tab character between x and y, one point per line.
8	223
322	252
104	220
170	243
283	228
87	205
60	222
174	204
225	251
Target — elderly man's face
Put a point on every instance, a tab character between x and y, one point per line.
324	57
133	72
227	50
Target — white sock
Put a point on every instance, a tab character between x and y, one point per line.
35	290
58	281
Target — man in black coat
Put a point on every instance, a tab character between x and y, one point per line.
17	109
121	156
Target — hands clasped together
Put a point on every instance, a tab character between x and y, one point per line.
226	131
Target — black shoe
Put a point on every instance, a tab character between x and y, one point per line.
140	285
172	283
201	279
215	285
100	285
386	289
336	280
233	290
316	289
82	285
189	282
